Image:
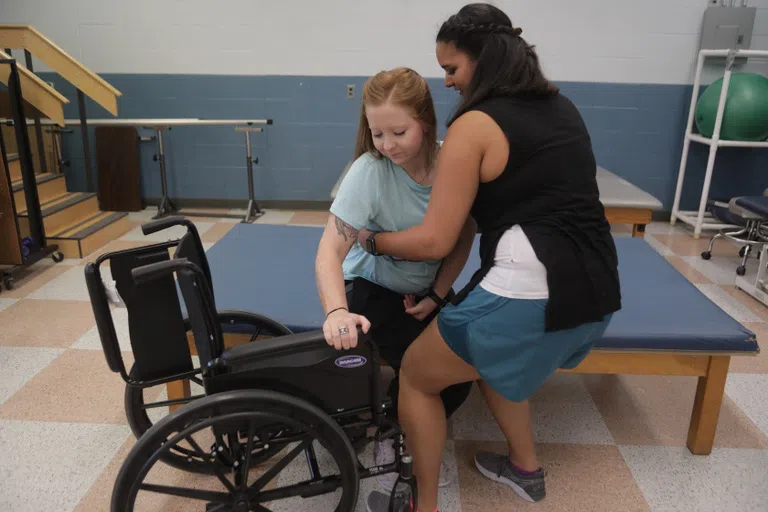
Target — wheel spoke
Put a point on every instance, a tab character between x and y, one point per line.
255	336
183	492
277	468
247	462
214	464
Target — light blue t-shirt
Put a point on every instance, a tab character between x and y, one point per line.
378	195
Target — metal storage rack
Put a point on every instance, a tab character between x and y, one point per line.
700	219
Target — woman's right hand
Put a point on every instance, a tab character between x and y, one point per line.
343	320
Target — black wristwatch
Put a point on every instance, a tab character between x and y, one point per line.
370	244
432	294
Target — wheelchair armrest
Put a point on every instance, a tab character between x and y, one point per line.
165	223
281	345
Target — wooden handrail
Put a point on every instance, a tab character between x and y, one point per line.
92	85
36	92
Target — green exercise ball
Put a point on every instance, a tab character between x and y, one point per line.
746	108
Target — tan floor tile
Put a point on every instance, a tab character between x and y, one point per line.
313	218
31	280
655	410
216	232
753	364
579	477
688	271
45	323
752	303
93	393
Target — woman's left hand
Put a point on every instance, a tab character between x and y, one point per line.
420	310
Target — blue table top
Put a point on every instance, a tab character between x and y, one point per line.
270	270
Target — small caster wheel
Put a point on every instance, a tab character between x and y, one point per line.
706	255
741	270
8	282
58	257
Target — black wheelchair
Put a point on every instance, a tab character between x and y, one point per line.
267	395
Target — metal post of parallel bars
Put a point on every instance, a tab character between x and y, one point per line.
38	126
86	142
36	227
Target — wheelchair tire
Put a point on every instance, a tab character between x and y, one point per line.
257	407
136	413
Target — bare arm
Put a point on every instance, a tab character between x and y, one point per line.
335	243
453	192
455	261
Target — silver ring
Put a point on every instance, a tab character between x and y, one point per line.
343	330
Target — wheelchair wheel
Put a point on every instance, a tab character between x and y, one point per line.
239	421
142	413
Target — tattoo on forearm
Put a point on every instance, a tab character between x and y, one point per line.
345	229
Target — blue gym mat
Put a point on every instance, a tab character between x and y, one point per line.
270	270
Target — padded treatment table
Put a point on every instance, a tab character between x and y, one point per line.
624	202
666	327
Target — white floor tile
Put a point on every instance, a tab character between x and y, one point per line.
51	466
660	247
20	364
4	303
563	412
91	341
750	392
719	269
672	479
728	303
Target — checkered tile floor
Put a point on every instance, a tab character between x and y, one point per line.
609	443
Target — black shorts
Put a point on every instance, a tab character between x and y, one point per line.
393	330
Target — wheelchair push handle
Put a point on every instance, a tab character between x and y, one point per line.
165	223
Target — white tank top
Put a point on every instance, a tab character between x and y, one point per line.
517	273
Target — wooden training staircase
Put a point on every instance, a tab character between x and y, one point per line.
72	220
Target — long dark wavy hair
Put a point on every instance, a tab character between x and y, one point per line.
506	64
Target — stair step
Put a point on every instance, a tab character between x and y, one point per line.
80	240
59	203
18	185
66	210
49	186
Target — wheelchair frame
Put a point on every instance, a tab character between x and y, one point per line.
145	280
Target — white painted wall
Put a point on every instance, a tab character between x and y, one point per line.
649	41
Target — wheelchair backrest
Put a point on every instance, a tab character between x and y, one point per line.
157	327
155	323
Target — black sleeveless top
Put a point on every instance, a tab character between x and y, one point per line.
549	188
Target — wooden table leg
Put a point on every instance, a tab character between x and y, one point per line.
638	230
706	406
176	390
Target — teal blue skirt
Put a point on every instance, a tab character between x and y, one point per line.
504	339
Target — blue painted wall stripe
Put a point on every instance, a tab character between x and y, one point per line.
637	132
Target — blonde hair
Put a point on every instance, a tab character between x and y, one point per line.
405	88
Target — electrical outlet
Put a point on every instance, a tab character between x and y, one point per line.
350	91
